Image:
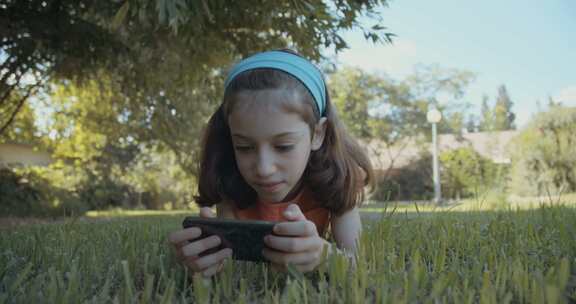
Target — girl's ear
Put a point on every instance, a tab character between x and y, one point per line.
319	134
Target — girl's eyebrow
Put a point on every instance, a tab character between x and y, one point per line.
280	135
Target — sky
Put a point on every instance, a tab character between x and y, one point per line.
529	46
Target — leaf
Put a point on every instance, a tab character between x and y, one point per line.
120	15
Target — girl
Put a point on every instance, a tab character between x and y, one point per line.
275	150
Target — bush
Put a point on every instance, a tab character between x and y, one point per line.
544	154
465	173
17	197
412	182
26	192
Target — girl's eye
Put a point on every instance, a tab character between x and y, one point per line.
243	148
284	148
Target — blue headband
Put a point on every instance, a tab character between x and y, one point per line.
292	64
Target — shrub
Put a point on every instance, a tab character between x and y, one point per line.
412	182
464	173
544	155
26	192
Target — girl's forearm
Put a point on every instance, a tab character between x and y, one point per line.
331	249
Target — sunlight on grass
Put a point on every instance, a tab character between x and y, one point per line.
502	256
486	202
131	213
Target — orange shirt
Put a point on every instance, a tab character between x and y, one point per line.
273	211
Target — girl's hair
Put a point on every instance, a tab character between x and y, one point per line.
336	173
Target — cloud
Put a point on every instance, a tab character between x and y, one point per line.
396	60
567	95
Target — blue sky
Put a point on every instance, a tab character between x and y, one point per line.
530	46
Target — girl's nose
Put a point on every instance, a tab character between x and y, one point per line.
265	164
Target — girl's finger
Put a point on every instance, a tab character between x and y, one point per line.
184	235
212	270
293	213
190	262
300	228
292	244
306	267
299	258
214	259
197	247
207	212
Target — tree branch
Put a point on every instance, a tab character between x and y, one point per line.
18	108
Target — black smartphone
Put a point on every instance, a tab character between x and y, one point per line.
244	237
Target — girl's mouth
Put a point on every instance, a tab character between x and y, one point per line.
270	187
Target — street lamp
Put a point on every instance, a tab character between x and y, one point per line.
434	116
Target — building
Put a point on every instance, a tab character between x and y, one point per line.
12	154
492	145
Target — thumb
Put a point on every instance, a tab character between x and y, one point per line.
293	213
207	212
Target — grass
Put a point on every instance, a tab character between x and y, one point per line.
485	202
501	256
134	213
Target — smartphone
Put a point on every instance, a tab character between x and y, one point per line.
244	237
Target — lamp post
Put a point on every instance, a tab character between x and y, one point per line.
434	116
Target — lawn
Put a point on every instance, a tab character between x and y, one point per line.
406	255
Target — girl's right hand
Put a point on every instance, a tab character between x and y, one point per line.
188	248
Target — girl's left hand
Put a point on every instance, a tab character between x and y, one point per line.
295	241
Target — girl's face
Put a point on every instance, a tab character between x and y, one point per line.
271	144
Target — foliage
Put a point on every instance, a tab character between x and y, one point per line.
377	107
40	39
124	76
500	117
17	197
28	192
487	116
503	115
466	173
486	257
411	182
543	154
23	130
167	43
388	115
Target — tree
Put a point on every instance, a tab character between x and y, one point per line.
553	103
188	40
39	39
503	115
444	88
465	172
500	117
472	124
23	129
352	92
376	109
124	75
487	116
388	115
543	156
167	57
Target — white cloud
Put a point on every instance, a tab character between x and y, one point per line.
396	60
567	96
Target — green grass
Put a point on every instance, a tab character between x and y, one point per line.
503	256
483	202
135	213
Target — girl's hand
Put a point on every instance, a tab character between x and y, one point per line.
295	241
188	252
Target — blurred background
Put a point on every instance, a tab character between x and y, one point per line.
103	103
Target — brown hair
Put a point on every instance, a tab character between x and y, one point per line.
336	173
